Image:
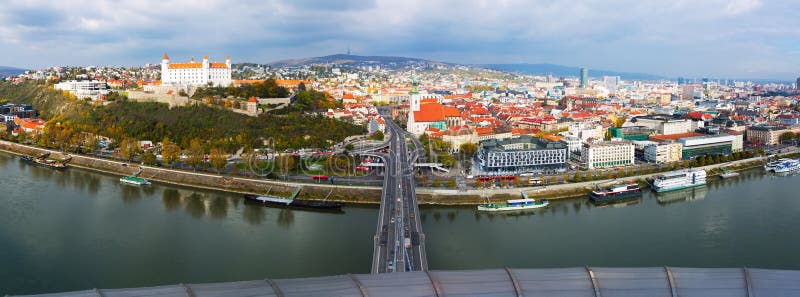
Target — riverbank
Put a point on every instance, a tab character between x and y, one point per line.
342	193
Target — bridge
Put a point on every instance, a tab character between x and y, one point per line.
567	282
399	243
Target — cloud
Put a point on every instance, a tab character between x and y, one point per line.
729	38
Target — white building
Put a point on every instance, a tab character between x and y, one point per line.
665	125
92	89
196	73
521	154
666	152
608	154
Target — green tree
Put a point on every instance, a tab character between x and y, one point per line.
378	135
468	149
451	183
285	164
577	177
148	158
437	183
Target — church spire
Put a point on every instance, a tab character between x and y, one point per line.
414	84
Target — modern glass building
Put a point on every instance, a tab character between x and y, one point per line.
520	154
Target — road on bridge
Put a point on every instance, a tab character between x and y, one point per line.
399	240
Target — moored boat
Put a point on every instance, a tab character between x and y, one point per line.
771	165
787	166
134	180
44	162
295	203
680	179
516	204
616	192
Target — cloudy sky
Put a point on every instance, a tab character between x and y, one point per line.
693	38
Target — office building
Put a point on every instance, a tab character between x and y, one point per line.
521	154
608	154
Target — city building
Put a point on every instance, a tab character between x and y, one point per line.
611	83
584	77
196	73
608	154
767	135
664	124
521	154
699	145
91	89
665	152
631	132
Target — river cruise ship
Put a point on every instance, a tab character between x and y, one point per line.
681	179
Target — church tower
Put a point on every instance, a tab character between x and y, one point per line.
414	101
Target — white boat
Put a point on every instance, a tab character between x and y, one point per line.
516	204
790	165
133	180
680	179
771	165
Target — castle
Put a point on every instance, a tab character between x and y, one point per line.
195	73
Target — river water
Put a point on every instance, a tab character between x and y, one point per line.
77	229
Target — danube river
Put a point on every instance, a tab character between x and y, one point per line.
76	229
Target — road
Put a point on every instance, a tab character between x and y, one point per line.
398	219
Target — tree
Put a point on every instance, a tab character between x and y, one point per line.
437	183
148	158
218	159
577	177
787	137
195	154
451	183
378	135
128	148
468	149
285	164
170	152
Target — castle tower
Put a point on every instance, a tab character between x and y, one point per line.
205	76
228	61
164	69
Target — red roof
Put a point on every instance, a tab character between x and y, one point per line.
675	136
450	111
433	112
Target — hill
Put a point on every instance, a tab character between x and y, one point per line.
561	70
8	71
344	59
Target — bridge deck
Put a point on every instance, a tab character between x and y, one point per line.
568	282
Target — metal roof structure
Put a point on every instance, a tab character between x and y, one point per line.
555	282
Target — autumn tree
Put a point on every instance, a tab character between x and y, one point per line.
195	153
170	152
218	159
285	163
128	148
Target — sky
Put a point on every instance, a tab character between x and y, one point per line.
756	39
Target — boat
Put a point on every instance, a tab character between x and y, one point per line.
771	165
134	179
790	165
294	203
42	160
680	179
727	173
516	204
616	192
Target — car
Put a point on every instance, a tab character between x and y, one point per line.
392	220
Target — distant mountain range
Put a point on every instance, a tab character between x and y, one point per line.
563	71
8	71
344	59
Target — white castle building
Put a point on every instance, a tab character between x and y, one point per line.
196	73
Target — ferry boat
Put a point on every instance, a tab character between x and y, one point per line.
771	165
790	165
295	203
680	179
516	204
42	160
616	192
134	179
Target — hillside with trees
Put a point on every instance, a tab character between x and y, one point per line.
210	126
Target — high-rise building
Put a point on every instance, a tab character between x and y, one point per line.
611	83
797	85
584	77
